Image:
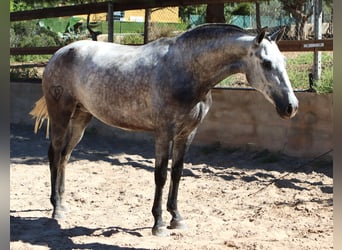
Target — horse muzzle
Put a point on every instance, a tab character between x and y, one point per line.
288	111
286	107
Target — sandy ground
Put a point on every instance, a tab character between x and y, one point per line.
109	190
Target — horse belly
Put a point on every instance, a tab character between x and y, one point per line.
138	123
128	117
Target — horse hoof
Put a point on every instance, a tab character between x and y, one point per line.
178	224
160	231
64	208
58	215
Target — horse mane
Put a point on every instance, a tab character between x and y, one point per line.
212	28
227	27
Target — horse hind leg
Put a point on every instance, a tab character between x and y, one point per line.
64	139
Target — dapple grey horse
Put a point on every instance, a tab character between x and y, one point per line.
163	87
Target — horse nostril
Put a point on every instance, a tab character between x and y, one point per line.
289	109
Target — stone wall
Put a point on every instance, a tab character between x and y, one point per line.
243	117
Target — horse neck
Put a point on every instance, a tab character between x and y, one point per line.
214	59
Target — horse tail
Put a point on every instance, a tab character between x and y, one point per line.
40	113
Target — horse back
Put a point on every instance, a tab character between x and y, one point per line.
124	86
115	83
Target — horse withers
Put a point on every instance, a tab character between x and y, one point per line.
163	87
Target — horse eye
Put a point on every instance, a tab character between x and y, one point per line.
267	64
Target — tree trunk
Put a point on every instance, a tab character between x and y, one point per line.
215	13
301	14
257	16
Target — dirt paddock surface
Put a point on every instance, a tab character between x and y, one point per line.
110	188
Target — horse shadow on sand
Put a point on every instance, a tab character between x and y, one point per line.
47	232
226	163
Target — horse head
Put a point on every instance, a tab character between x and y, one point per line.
266	72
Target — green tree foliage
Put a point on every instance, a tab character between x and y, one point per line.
229	10
19	5
301	10
242	9
329	3
186	11
31	34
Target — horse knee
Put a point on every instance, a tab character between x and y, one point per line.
160	179
176	173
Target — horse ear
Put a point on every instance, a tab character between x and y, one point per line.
260	36
276	36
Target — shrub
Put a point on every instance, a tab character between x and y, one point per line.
30	34
23	73
133	39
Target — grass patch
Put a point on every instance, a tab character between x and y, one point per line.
133	39
299	67
138	27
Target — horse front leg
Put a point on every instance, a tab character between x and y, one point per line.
180	147
160	175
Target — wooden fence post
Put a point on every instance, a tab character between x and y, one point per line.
147	25
110	22
318	35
